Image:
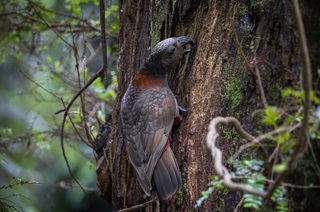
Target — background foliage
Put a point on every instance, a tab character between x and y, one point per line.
48	50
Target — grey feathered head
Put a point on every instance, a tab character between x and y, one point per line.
167	54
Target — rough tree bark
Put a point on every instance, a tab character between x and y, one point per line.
214	80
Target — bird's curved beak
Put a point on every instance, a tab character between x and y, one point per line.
184	40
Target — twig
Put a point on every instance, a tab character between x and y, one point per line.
77	131
139	206
91	80
314	157
61	76
256	69
82	96
74	17
297	186
43	88
55	12
19	183
64	152
239	205
48	25
5	143
103	36
283	184
242	54
264	136
63	185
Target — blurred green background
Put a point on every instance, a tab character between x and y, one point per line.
38	74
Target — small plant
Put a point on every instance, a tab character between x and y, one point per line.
215	183
249	171
252	201
280	197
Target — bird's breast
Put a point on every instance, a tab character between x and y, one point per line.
145	81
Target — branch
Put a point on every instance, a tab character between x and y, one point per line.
43	88
242	54
73	17
255	72
82	97
64	152
139	206
256	69
265	136
48	25
63	185
103	35
6	143
19	183
217	154
91	80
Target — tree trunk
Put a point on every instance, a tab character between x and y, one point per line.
214	80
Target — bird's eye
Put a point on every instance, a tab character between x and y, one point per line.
172	49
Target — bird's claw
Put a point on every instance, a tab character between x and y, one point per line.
182	110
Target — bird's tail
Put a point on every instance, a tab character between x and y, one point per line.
166	176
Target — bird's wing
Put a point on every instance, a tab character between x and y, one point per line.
147	120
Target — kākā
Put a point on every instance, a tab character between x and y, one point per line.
148	110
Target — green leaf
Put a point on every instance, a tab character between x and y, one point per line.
19	179
57	66
49	59
281	166
43	145
271	116
38	137
286	92
280	197
314	98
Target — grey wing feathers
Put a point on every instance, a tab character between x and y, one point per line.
147	119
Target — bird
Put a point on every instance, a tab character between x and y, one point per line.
147	114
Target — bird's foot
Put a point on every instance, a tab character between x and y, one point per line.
182	110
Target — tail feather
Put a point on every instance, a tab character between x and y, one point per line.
166	176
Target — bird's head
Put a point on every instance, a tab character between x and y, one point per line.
167	54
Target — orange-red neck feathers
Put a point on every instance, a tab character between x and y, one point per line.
143	80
